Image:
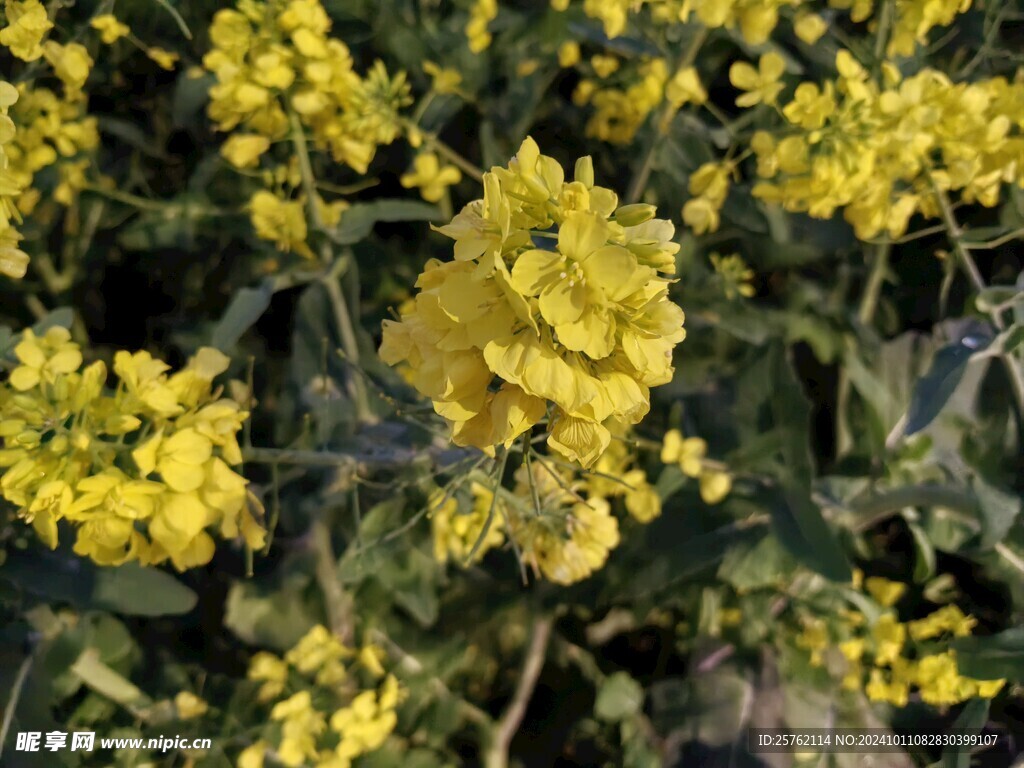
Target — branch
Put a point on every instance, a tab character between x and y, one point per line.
508	724
12	702
336	601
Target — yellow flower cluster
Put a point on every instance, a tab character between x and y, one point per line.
560	520
327	717
26	28
481	13
893	665
916	18
52	130
619	112
276	58
557	300
431	177
734	275
688	453
75	452
878	149
111	30
13	260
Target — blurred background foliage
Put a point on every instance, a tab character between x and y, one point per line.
856	389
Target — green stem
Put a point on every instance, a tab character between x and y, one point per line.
342	313
12	701
496	755
866	512
661	125
337	602
452	156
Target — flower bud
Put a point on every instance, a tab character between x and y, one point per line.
584	171
632	215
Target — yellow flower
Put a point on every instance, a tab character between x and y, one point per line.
42	360
888	635
714	486
685	87
735	274
455	533
688	453
949	618
431	177
481	13
189	705
283	222
814	638
443	79
27	25
271	671
886	593
244	150
761	85
592	533
568	54
111	30
604	66
71	63
891	691
809	27
166	59
179	458
253	755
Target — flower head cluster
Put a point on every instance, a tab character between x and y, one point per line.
13	260
323	712
561	521
879	149
556	307
143	473
276	58
620	111
52	130
896	657
26	28
688	453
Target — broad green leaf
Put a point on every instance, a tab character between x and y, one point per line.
936	387
262	616
358	221
972	717
130	589
246	307
924	554
999	511
619	697
992	657
801	528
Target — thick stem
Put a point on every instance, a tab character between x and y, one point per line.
342	314
661	125
507	726
337	602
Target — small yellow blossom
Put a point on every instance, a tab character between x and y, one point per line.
886	593
111	30
568	54
165	59
431	177
604	66
809	27
688	453
189	705
761	85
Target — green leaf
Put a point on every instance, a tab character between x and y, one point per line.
619	697
261	616
972	718
934	389
924	554
999	511
764	564
102	679
129	589
992	657
801	528
358	221
246	307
